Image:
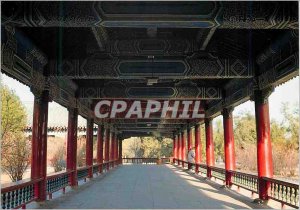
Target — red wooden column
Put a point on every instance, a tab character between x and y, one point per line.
35	144
89	146
228	144
72	145
178	147
117	148
197	147
107	137
174	148
189	142
112	148
39	144
100	147
183	155
264	147
120	151
189	138
210	156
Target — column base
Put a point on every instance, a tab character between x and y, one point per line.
41	203
260	201
74	187
226	187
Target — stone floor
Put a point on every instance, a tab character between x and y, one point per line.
150	186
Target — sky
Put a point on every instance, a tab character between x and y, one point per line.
287	92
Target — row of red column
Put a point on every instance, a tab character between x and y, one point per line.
113	145
264	149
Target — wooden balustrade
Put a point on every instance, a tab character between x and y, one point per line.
140	160
82	172
284	192
96	168
244	180
18	194
218	173
57	181
164	160
202	168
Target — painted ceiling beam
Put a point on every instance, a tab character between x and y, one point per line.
201	14
198	66
101	37
125	90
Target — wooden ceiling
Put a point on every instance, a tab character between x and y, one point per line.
218	52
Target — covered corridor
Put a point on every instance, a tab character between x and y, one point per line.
150	186
162	72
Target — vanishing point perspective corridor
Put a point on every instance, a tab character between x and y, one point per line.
150	186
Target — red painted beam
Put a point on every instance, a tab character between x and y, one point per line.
210	156
228	145
264	147
72	146
89	146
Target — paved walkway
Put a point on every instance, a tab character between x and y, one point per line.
150	186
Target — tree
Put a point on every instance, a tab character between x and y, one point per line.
148	147
81	155
285	139
203	143
15	150
291	123
58	161
135	148
244	130
151	147
219	139
166	147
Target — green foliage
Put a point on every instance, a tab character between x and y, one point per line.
277	133
58	160
150	147
13	113
81	155
218	137
291	123
244	130
147	147
203	143
15	148
284	137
